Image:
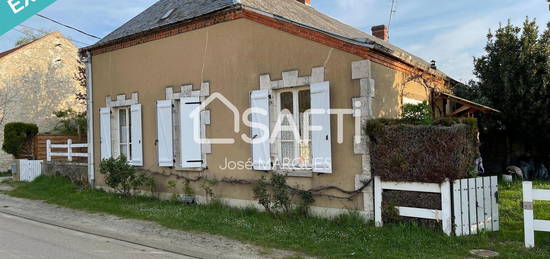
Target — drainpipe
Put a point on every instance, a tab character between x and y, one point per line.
90	117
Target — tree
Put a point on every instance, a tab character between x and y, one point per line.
30	36
514	77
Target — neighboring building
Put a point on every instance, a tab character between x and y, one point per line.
150	74
37	79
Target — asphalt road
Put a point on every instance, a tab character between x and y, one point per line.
21	238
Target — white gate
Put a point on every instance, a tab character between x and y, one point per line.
530	224
475	205
29	169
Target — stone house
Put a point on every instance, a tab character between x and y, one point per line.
37	79
182	71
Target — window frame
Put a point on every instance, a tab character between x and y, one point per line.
296	116
116	143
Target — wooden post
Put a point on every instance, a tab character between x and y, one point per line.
378	201
446	214
528	214
69	150
48	150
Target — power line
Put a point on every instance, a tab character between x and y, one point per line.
68	26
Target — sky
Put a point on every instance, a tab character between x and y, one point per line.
450	32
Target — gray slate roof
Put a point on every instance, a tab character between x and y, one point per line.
290	10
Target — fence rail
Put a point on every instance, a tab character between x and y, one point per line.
443	215
529	222
69	147
472	203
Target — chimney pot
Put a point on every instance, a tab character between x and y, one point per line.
308	2
381	32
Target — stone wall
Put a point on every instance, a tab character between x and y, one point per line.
36	80
76	172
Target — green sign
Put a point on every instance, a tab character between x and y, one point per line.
14	12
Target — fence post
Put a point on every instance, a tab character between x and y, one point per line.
69	150
48	150
446	218
378	201
528	214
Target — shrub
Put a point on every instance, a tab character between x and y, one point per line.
123	177
276	196
423	153
18	138
418	114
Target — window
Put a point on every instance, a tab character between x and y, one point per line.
125	135
176	142
407	100
121	133
296	148
294	105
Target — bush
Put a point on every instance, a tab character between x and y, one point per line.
423	153
123	177
18	138
418	114
276	196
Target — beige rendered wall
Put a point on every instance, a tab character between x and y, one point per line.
232	56
391	87
35	81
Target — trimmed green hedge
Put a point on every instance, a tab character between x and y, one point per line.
447	148
17	135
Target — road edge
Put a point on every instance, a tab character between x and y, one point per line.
136	241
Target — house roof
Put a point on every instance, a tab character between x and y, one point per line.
7	52
467	104
10	51
287	10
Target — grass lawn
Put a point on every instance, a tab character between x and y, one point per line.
346	236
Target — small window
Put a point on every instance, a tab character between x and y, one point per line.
125	134
167	14
295	153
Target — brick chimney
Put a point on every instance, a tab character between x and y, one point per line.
308	2
380	31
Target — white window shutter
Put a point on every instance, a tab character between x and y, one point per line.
137	142
105	131
261	150
320	117
191	155
165	147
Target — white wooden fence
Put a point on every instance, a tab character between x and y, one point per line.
472	202
443	215
29	169
69	146
475	205
530	224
